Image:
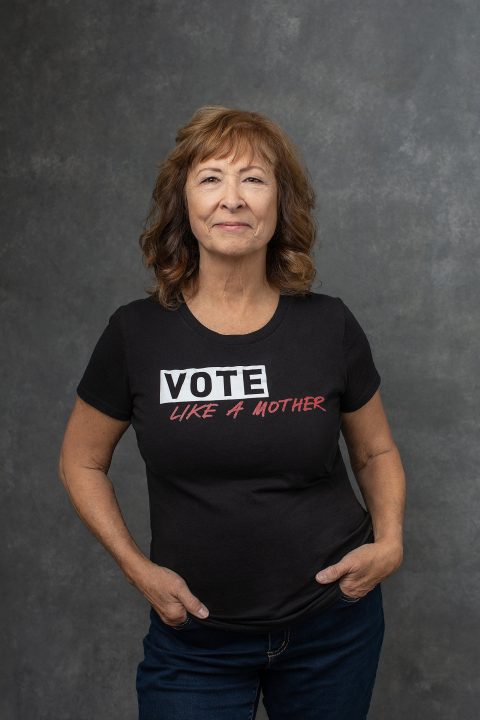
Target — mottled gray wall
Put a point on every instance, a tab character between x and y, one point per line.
382	98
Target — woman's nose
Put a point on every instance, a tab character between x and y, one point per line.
232	204
232	197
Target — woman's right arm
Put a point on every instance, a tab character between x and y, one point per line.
85	458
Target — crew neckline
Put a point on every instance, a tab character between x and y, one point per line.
237	339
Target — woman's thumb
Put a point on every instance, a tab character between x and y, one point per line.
193	605
329	574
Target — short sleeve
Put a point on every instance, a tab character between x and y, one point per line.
362	378
104	383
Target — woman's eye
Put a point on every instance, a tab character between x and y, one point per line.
213	177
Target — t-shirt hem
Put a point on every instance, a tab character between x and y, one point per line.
330	595
328	598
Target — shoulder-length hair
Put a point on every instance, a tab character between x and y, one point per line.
167	241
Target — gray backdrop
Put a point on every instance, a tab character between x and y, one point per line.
382	98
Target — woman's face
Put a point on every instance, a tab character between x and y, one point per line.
220	191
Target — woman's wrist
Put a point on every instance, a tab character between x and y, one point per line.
393	546
392	540
135	567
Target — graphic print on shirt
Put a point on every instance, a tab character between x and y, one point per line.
202	386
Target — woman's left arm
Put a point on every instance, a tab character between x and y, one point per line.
378	469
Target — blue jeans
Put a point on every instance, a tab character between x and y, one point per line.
321	668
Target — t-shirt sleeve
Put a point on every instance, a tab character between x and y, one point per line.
105	383
362	378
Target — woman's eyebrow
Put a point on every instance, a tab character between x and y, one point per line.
249	167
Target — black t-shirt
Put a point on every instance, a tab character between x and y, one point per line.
249	494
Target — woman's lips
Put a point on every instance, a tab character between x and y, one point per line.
237	227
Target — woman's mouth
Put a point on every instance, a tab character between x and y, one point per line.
234	227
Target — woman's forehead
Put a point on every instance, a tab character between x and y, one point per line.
243	161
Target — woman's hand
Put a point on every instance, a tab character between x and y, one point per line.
363	568
167	592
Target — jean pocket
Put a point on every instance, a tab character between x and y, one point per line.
182	625
158	622
347	599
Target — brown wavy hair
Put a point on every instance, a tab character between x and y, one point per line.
167	241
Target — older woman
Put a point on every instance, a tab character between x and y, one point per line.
237	379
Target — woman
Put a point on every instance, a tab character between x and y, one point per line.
237	379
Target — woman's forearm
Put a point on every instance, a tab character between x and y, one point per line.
92	494
382	484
